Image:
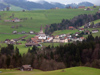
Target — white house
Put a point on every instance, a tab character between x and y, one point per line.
49	39
31	32
42	37
95	31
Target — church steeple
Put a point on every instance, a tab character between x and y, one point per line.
41	29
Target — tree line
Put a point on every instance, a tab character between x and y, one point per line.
86	53
76	22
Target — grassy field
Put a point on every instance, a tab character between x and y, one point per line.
96	21
68	71
39	17
65	32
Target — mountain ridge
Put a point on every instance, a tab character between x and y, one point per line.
29	5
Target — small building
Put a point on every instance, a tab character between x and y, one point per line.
87	32
94	6
95	31
81	38
16	20
31	32
81	7
14	32
23	32
56	40
71	28
26	68
49	39
89	9
7	20
30	44
77	33
7	41
62	40
62	35
81	29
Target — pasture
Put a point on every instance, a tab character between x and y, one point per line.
67	71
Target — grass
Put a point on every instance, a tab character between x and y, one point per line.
65	32
67	71
39	17
51	44
96	21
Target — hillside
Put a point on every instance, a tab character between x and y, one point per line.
29	5
68	71
37	18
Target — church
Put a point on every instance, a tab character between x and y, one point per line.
41	35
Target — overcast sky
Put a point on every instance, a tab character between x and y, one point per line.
70	1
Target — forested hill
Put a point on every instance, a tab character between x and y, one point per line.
86	53
76	22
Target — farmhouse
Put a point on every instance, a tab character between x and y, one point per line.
81	7
56	40
14	32
87	32
49	39
89	9
71	28
94	6
81	29
30	44
95	31
26	68
31	32
16	20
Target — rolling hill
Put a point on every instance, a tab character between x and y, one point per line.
68	71
28	5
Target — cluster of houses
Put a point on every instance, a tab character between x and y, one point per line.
23	32
63	38
13	20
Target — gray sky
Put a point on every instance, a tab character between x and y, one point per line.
70	1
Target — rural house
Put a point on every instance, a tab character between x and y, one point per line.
81	7
95	31
26	68
71	28
81	29
14	32
16	20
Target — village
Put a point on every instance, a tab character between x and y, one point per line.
41	37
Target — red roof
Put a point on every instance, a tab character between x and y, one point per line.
81	7
71	27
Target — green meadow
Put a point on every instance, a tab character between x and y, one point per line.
34	21
67	71
39	17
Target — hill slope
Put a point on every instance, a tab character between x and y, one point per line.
68	71
41	4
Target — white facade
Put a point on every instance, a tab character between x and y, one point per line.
49	39
95	31
42	37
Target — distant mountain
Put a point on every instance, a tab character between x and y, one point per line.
85	4
80	4
28	5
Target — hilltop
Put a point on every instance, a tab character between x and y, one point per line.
41	5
